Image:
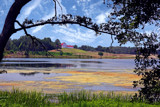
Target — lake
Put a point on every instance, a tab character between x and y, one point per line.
58	75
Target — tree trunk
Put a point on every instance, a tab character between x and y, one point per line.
8	28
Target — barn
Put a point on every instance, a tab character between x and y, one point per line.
64	45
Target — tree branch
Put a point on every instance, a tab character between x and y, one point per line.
8	28
32	37
63	23
55	7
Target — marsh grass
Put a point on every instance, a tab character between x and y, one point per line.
87	99
17	98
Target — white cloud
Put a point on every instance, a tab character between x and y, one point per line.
101	18
74	8
76	35
37	29
30	8
79	2
92	9
50	15
1	12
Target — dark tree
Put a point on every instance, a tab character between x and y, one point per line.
61	53
100	54
75	46
133	15
58	44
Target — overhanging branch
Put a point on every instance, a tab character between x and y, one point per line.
32	37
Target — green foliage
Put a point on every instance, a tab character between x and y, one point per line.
61	53
75	46
100	54
25	43
135	13
132	16
87	99
149	69
116	49
17	98
58	44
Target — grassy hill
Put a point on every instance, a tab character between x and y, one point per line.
67	53
78	53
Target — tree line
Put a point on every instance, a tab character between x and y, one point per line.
25	43
115	50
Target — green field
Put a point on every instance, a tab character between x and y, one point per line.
17	98
65	53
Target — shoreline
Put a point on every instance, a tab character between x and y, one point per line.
119	56
68	53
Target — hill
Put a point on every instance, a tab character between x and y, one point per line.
65	53
78	53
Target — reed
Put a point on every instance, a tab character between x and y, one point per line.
18	98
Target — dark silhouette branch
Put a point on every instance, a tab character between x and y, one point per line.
8	28
34	39
55	7
104	28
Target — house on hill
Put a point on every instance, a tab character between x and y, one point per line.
64	45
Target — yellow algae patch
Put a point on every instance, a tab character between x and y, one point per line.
9	84
42	71
97	78
53	85
44	86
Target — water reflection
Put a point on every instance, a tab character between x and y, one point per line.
32	73
117	65
3	71
37	65
29	74
98	62
46	73
21	61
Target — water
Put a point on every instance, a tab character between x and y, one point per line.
35	65
49	63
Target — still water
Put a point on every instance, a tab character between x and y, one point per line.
58	75
49	63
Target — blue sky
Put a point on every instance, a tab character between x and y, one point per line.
71	34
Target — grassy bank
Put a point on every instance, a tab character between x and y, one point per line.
66	53
17	98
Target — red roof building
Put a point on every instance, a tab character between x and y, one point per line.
64	45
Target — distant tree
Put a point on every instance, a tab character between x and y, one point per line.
58	44
99	48
61	53
25	43
87	48
26	54
100	54
75	46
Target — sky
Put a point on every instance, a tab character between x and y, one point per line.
70	34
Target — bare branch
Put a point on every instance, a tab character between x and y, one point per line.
112	40
59	5
55	7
